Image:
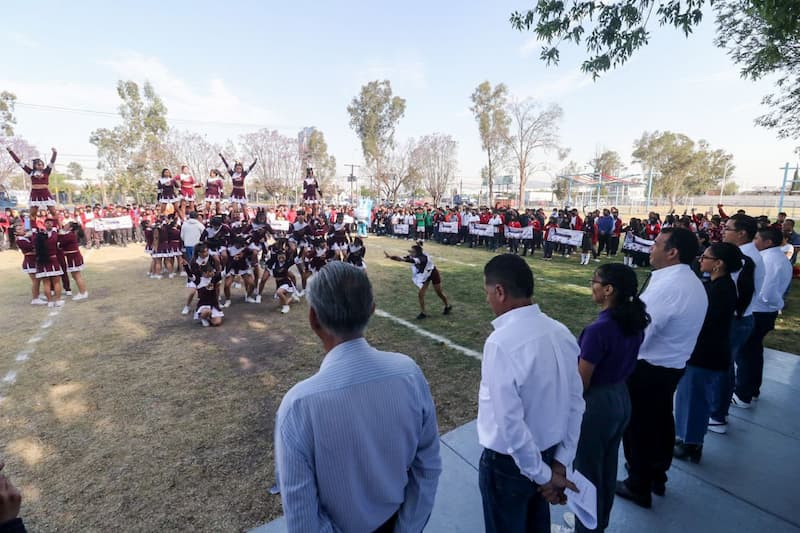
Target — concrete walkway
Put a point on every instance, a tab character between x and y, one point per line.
745	482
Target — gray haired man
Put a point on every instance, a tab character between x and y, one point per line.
356	444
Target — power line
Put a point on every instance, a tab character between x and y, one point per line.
95	112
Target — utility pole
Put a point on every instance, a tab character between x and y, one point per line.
351	179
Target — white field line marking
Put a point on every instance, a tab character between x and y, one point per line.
23	355
34	339
11	377
46	324
419	331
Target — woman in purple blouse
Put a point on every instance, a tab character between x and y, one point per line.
609	349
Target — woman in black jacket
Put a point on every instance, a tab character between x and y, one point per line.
711	356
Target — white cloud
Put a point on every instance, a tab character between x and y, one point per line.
402	72
552	88
22	40
530	45
216	102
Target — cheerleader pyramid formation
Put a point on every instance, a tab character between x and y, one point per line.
235	251
50	255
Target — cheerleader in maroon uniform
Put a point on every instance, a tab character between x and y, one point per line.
187	187
166	190
356	251
27	246
339	237
47	267
194	271
175	248
73	259
285	288
40	182
214	185
312	263
238	196
239	264
207	284
162	255
216	236
423	273
310	188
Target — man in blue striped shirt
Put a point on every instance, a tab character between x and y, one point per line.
356	444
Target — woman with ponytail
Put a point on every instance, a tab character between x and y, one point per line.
609	349
711	356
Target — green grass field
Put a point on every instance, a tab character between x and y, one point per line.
126	415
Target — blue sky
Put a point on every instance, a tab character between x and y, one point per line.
285	65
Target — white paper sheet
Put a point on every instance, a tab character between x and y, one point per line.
583	503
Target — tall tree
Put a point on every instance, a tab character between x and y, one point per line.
135	148
607	162
680	166
435	158
194	150
324	164
761	36
533	129
489	109
374	115
278	160
401	172
7	118
75	171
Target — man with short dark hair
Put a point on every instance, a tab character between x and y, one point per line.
740	229
792	237
766	304
530	404
356	444
677	303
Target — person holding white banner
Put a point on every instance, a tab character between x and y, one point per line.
423	273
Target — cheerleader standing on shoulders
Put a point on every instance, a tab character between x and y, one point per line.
214	186
310	188
47	267
39	175
194	271
68	240
166	190
28	249
207	283
238	196
187	187
423	273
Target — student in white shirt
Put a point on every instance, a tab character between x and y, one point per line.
530	404
740	229
677	303
766	304
496	222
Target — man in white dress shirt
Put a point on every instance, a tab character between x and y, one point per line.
530	404
740	229
677	303
766	304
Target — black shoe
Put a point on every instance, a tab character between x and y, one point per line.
642	500
690	452
659	488
421	316
447	310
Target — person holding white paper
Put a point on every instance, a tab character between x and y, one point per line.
609	349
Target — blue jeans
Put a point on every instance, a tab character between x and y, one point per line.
722	390
693	403
188	253
511	501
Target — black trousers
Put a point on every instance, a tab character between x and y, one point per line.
604	243
613	245
750	358
650	436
